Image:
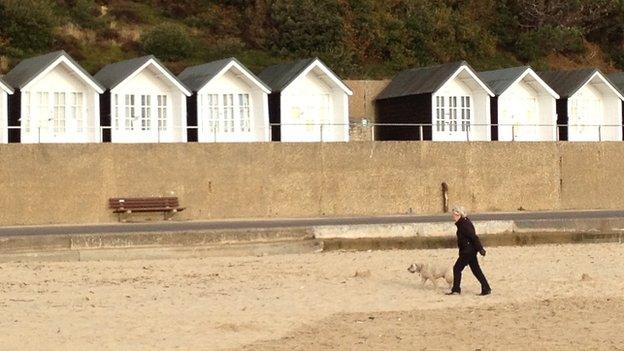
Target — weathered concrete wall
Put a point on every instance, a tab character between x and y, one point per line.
361	102
72	183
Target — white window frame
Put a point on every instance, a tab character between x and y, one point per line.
244	112
162	107
130	105
440	111
76	108
59	106
146	112
116	111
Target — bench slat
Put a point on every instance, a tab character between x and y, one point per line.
144	204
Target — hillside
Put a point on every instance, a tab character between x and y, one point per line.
357	38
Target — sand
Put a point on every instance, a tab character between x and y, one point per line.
557	297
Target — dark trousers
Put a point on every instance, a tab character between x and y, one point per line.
468	260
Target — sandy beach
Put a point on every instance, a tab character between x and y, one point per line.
557	297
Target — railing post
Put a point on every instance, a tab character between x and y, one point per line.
321	128
513	133
214	129
556	132
372	132
38	134
421	132
599	132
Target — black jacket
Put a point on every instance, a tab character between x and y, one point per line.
467	240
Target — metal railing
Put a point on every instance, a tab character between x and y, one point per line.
325	132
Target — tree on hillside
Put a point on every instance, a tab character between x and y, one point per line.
169	42
27	26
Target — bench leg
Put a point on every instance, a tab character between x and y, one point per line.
168	215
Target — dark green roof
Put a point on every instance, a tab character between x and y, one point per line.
280	76
501	79
618	80
30	68
423	80
197	77
111	75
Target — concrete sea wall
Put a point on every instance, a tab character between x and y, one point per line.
71	183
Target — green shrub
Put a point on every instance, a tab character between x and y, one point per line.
27	25
546	40
306	27
169	42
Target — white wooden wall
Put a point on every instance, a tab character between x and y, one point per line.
3	117
148	82
37	124
594	105
231	83
309	102
531	112
479	112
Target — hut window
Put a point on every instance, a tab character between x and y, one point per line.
76	110
162	112
243	106
213	111
130	111
146	112
228	112
440	113
59	113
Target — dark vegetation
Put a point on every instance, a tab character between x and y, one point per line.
357	38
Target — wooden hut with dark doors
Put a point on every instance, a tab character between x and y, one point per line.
143	103
589	107
524	106
55	101
308	101
449	102
618	80
229	103
5	91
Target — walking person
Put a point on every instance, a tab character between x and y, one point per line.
469	245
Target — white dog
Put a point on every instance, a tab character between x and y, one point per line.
432	272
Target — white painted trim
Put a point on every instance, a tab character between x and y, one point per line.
163	71
472	74
333	77
531	72
7	89
604	80
76	70
243	71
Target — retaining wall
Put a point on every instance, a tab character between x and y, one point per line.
71	183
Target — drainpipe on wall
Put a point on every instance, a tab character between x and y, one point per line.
445	197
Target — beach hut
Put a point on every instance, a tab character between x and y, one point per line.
308	102
589	107
447	102
55	101
618	80
229	103
524	106
5	91
143	103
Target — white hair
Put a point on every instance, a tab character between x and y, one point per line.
460	210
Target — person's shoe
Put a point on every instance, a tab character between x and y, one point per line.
452	293
485	292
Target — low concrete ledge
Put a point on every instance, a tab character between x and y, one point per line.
489	240
406	230
570	225
34	243
189	238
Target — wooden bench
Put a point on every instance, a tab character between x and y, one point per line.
127	205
